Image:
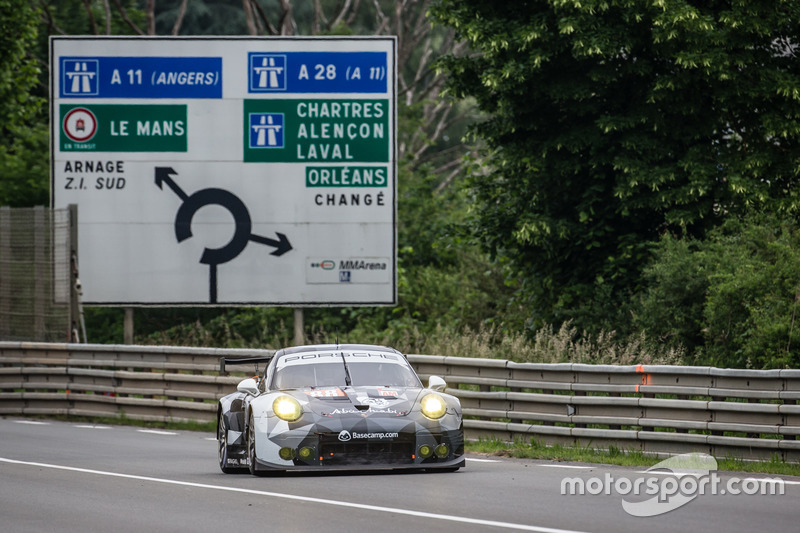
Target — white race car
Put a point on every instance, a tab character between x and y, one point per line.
333	406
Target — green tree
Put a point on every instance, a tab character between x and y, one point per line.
613	121
23	129
24	30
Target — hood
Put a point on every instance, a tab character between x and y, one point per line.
337	401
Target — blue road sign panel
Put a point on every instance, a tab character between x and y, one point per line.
141	77
317	72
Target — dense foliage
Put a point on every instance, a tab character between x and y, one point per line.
611	122
635	201
731	299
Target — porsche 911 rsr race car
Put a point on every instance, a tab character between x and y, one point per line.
338	407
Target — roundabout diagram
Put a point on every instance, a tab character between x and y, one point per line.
242	232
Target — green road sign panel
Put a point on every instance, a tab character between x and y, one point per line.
123	128
347	176
317	131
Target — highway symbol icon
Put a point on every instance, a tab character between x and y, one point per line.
266	130
81	77
267	72
242	231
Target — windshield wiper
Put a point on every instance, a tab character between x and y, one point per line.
347	381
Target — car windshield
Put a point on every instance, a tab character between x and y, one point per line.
332	374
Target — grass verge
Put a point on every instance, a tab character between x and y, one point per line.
209	427
616	456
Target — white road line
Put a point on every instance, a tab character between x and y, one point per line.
156	432
567	466
32	422
337	503
482	460
93	427
676	474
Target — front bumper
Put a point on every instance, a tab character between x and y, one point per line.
359	444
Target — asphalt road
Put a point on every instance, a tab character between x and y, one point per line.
72	477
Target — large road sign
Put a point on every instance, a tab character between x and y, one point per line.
228	171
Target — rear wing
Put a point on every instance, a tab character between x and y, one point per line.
223	361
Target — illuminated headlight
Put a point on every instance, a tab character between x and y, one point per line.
287	408
433	406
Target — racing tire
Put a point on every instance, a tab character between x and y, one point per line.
222	444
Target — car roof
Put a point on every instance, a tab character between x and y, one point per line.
335	347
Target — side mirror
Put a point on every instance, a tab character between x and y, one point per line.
436	383
248	386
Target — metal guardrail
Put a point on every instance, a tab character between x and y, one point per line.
137	382
750	414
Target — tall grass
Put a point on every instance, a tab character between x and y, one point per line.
219	333
564	345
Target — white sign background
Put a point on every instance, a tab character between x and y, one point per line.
342	253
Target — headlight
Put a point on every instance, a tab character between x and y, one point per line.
433	406
287	408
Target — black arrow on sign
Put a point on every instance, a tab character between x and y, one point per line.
163	176
282	245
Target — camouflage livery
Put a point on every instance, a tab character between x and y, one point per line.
338	407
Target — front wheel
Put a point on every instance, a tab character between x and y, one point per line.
251	446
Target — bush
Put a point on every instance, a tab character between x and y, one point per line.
731	299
